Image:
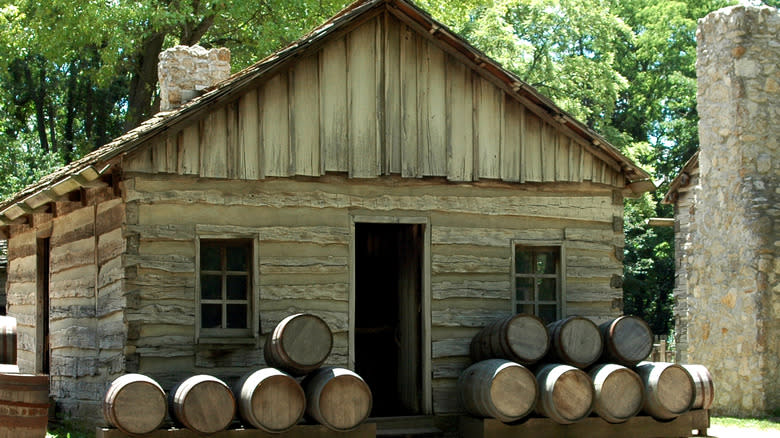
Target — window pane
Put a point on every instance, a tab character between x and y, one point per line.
237	258
545	262
211	287
547	313
546	289
525	308
522	261
236	316
210	315
236	287
525	289
210	258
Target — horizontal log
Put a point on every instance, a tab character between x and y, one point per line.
111	298
22	269
490	236
484	202
111	333
73	283
110	245
73	254
450	367
336	321
163	314
451	347
471	289
166	263
22	245
111	272
21	293
66	309
73	226
244	356
442	264
74	335
329	291
110	216
457	317
298	265
446	399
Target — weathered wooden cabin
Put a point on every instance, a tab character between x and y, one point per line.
380	173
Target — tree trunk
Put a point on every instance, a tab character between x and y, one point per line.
141	102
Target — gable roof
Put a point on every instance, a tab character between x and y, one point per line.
90	168
682	179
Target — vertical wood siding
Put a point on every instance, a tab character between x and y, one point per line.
380	100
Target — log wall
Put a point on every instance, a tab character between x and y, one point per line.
87	331
379	99
303	229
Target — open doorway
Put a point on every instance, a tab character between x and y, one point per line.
388	315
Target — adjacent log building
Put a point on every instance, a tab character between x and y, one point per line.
380	173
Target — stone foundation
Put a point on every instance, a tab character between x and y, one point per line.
734	302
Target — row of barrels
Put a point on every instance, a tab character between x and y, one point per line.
273	399
569	368
575	341
508	391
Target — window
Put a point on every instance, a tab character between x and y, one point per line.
225	287
538	281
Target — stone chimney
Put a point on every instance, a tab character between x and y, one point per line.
184	72
735	305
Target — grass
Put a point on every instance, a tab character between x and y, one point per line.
747	423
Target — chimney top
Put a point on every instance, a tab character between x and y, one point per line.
185	71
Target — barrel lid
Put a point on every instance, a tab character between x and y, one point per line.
307	340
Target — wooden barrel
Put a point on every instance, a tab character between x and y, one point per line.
669	389
566	393
24	405
520	338
203	404
498	388
134	404
337	398
7	340
704	390
299	344
270	400
619	392
628	340
575	341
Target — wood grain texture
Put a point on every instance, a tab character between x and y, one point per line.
364	153
337	398
575	341
619	392
566	393
305	116
299	344
270	400
203	404
135	404
498	388
669	389
628	340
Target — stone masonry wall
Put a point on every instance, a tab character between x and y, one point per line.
184	71
734	306
684	229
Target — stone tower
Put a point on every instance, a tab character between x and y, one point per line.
733	314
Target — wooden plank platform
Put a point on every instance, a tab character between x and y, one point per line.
365	430
592	427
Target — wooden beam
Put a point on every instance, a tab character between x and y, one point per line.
40	198
660	222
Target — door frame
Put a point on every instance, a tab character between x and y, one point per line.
427	390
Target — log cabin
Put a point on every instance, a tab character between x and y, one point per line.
380	173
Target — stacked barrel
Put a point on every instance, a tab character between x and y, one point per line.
273	399
572	368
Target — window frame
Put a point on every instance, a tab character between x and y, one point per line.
560	302
229	335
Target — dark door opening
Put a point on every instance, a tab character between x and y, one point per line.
43	348
388	315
